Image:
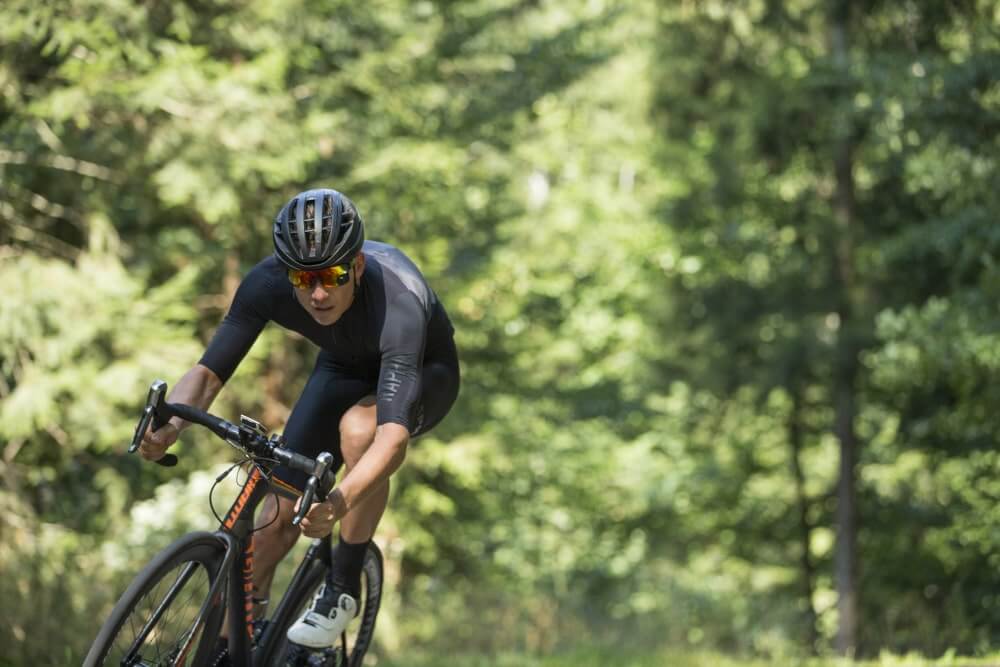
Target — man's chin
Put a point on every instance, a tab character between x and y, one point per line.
328	316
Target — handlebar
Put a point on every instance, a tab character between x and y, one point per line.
250	436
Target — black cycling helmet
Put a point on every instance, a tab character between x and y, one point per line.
317	229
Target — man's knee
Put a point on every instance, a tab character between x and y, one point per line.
357	431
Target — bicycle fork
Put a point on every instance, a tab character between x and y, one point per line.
210	601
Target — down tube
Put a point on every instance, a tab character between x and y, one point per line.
239	521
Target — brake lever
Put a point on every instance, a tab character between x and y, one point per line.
140	429
323	462
154	399
306	501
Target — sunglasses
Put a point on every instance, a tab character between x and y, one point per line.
332	276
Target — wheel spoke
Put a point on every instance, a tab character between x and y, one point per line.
175	611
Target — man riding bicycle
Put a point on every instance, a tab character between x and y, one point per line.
387	371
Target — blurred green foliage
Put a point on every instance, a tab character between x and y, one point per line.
629	210
626	657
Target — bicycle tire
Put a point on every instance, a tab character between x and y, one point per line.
372	573
373	570
202	550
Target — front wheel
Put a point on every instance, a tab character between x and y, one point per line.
162	618
359	633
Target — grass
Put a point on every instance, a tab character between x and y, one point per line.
668	658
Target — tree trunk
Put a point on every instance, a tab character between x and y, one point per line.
846	557
808	569
846	358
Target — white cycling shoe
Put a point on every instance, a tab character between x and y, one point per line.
323	623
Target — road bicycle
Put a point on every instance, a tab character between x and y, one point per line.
173	611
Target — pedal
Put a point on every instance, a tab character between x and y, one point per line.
301	656
328	657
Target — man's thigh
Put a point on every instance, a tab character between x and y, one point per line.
314	425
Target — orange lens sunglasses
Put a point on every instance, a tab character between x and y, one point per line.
332	276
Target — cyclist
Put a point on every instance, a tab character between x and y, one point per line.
387	370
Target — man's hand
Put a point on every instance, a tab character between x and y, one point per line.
319	520
197	388
155	443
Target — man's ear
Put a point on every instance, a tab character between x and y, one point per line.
359	267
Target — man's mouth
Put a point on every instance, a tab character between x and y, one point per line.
322	308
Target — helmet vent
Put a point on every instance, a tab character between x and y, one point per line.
326	223
309	221
291	226
346	222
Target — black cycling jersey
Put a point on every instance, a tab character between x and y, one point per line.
395	324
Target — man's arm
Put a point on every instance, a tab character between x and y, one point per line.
402	346
382	459
197	388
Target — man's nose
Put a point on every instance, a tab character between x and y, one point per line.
319	292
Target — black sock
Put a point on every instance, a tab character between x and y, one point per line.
345	572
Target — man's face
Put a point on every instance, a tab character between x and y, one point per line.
325	304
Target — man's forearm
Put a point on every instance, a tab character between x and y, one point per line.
197	388
382	459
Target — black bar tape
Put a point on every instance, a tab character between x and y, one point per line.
218	426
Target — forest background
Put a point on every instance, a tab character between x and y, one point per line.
724	274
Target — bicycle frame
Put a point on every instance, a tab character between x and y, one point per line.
235	572
236	531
